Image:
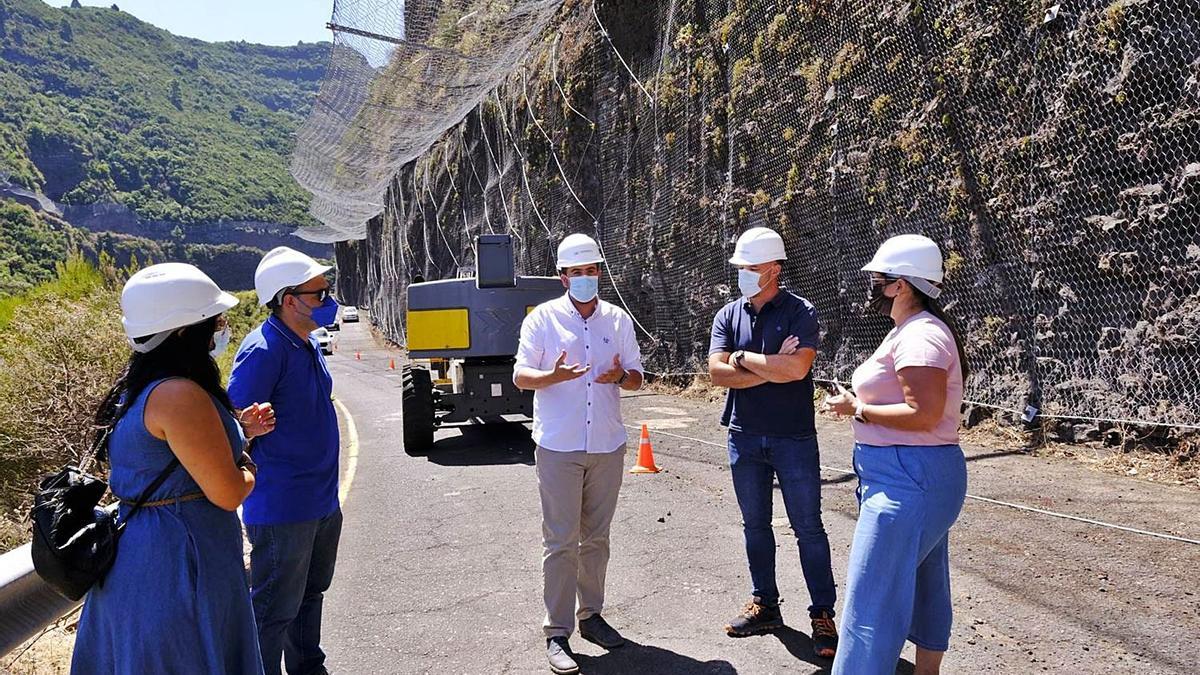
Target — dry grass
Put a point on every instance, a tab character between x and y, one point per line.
63	348
696	388
1180	466
46	654
14	530
1144	458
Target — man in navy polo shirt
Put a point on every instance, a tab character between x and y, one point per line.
294	520
762	348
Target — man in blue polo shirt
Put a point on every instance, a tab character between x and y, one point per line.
293	520
762	348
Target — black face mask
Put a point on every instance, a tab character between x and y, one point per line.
879	302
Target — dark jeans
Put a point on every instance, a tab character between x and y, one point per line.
755	462
291	567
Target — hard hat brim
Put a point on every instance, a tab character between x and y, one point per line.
880	268
312	272
735	260
561	264
318	271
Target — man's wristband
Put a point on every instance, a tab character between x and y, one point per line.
624	376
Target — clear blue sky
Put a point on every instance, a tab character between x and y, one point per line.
271	22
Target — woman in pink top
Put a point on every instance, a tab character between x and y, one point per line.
911	471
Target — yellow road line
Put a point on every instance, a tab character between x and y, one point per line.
351	452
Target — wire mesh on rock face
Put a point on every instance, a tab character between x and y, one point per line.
1054	155
400	74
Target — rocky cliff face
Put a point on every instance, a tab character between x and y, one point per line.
1054	154
228	252
118	219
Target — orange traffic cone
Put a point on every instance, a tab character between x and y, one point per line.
391	364
645	461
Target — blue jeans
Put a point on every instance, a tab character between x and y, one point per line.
291	567
898	582
755	462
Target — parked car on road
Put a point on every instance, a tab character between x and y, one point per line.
350	314
325	340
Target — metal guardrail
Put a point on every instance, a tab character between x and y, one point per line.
27	604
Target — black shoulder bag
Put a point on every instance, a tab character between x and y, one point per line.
74	539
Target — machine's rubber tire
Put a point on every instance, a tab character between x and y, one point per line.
417	407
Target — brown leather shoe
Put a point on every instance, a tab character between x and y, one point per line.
755	619
824	636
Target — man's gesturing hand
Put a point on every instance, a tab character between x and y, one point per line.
257	420
565	373
614	374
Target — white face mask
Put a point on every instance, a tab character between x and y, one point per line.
221	341
748	283
584	289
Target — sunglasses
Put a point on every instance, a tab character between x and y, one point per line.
322	294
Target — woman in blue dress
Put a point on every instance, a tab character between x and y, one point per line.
176	599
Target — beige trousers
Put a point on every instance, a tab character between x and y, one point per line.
579	496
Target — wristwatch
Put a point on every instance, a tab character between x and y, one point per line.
859	407
738	356
624	376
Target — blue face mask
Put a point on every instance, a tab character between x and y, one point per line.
584	289
326	313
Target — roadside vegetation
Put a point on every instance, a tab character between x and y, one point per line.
63	347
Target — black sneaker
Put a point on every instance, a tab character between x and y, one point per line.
562	661
824	636
755	618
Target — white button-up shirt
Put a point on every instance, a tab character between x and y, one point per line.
579	414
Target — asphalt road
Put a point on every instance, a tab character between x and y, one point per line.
439	568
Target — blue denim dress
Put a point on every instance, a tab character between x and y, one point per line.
176	599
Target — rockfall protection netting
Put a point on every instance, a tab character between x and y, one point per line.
400	74
1053	152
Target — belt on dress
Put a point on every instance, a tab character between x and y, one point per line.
189	497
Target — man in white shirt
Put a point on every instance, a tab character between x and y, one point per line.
576	353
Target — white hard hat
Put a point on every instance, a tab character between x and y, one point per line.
758	245
162	298
914	257
282	268
578	249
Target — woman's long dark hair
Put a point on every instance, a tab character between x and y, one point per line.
184	354
935	308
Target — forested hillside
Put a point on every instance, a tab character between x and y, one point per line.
96	105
